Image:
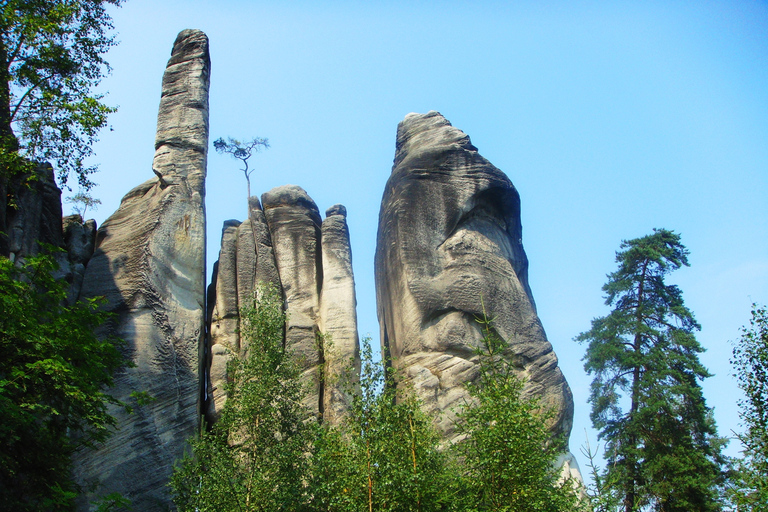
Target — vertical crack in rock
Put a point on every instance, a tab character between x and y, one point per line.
310	262
149	263
450	237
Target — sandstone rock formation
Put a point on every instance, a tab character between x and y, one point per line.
149	263
449	241
246	258
287	245
36	218
338	318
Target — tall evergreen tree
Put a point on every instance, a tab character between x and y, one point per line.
661	448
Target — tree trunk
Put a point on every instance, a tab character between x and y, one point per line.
8	143
631	487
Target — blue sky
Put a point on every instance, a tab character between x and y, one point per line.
611	118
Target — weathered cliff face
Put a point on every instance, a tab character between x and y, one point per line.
149	263
287	245
35	219
338	318
449	241
246	259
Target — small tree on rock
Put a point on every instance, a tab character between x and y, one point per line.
242	151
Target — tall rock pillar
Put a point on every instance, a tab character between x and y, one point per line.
338	317
149	263
294	224
449	242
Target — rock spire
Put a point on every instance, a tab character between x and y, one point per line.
149	263
449	246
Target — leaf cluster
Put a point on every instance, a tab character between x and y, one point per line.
750	361
385	455
508	452
265	454
51	59
255	458
53	374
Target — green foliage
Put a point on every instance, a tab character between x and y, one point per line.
241	151
509	455
52	378
266	454
661	447
51	58
384	455
256	457
750	360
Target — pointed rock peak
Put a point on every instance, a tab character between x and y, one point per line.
189	44
181	142
337	209
422	134
230	223
288	195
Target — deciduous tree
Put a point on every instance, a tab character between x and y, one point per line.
750	360
256	456
661	448
53	375
51	58
384	456
509	455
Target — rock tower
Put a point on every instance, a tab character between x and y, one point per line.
449	250
149	263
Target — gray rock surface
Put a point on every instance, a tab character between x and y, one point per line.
294	225
79	240
150	265
36	217
449	240
338	316
286	245
223	321
246	259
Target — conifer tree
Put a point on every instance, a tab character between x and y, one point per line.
661	448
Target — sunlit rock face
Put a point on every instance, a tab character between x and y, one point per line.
149	263
246	260
449	250
285	243
338	316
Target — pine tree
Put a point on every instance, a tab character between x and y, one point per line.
661	448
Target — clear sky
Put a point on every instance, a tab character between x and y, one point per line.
611	118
